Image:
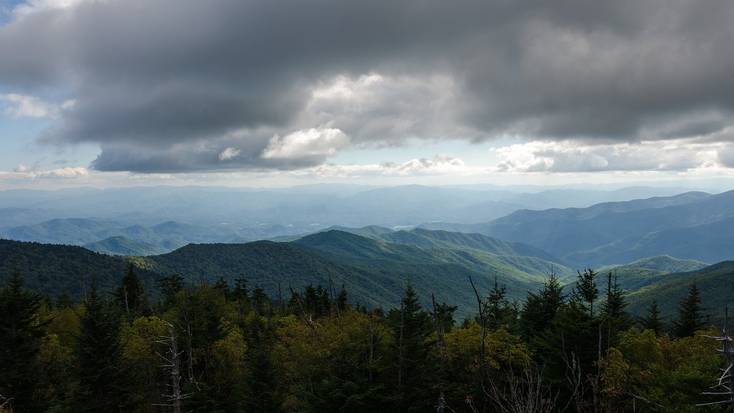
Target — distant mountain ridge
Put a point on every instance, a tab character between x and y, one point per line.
374	270
105	236
123	246
692	225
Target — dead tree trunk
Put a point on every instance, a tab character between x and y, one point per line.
724	388
172	360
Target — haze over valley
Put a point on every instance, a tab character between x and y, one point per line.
316	206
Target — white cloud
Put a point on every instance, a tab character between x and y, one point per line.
24	106
64	173
25	172
438	165
570	156
229	153
306	143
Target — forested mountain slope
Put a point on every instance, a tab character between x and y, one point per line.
692	225
715	282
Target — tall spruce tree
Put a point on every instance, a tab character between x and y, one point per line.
690	314
412	328
614	314
169	287
498	310
541	308
20	338
130	296
261	383
98	356
652	319
586	290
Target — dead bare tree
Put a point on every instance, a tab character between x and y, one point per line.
172	364
724	388
523	392
575	380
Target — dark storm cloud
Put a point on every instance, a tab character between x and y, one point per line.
166	85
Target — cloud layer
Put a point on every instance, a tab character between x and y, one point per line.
171	86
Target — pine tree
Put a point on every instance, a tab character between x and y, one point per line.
130	296
97	352
412	328
341	299
586	290
20	338
653	321
169	287
222	286
497	309
541	308
614	316
690	314
261	382
261	302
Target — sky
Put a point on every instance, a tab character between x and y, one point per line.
272	93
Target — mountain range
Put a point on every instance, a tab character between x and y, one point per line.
373	269
656	246
691	225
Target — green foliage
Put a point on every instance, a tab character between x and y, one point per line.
130	296
652	320
586	291
690	314
98	357
657	373
249	349
20	343
413	370
541	308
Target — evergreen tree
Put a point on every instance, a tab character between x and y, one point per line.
586	291
169	287
652	320
241	297
261	302
261	383
540	308
130	296
223	287
98	353
20	338
690	314
497	309
341	299
444	317
412	328
614	316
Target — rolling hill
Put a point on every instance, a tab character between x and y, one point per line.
692	225
373	270
716	283
63	269
162	237
647	271
124	246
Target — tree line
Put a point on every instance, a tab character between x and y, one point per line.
232	348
